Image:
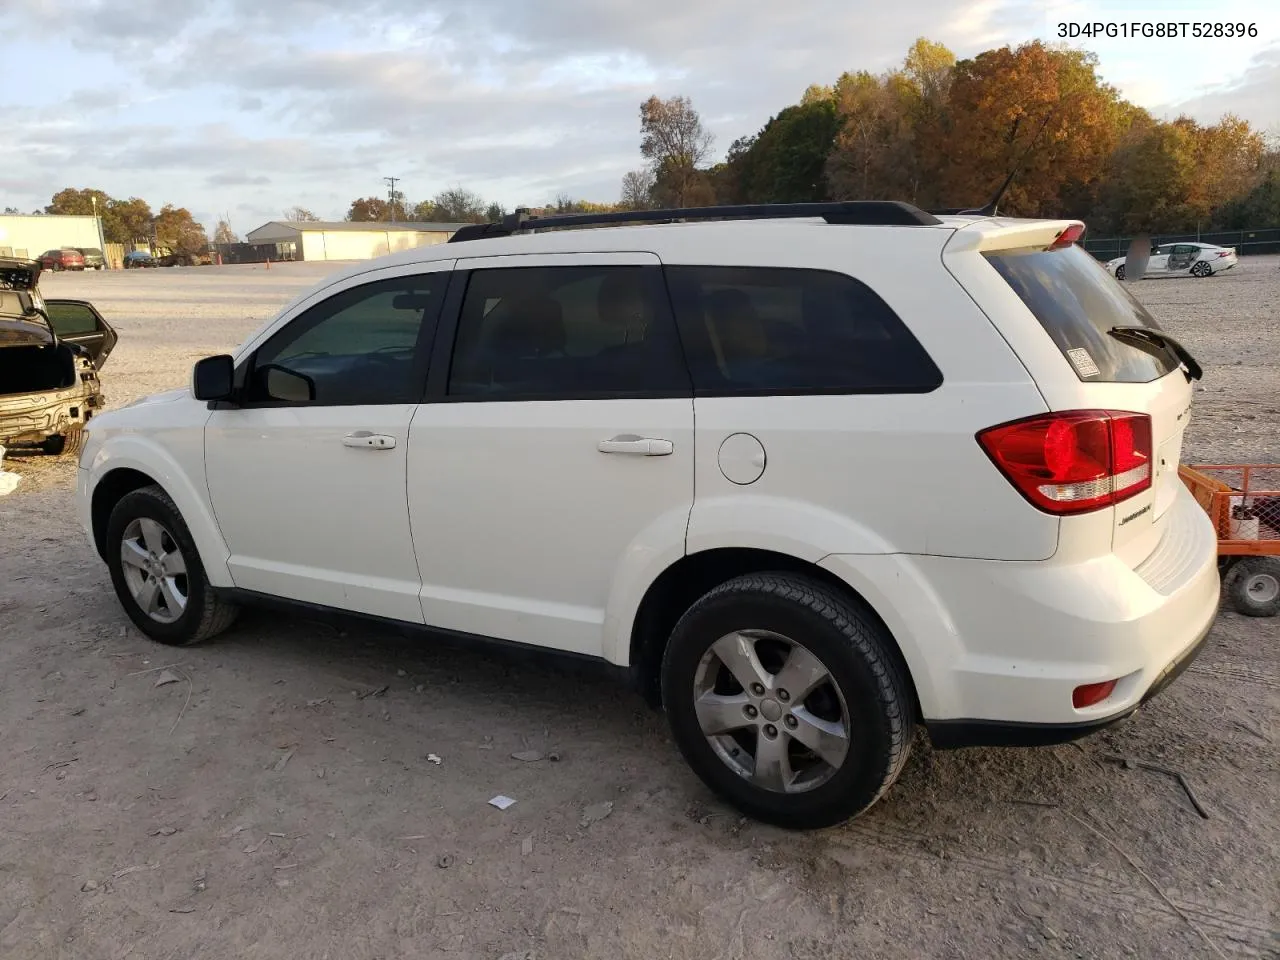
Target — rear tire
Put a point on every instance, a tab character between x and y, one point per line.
181	608
1253	586
749	740
1201	269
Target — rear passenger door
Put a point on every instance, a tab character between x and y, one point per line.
555	446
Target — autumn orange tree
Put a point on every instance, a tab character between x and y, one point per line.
1040	111
946	134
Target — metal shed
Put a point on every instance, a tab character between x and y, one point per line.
345	240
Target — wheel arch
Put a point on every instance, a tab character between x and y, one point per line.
110	490
130	463
683	582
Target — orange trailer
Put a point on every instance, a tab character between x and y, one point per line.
1243	502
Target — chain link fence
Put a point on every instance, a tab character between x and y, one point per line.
1246	242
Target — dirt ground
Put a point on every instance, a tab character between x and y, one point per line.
280	798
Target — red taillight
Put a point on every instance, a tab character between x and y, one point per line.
1091	693
1068	236
1076	461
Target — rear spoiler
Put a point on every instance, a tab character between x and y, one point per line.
988	235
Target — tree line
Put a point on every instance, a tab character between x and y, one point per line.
944	134
132	220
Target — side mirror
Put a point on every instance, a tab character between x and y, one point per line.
214	378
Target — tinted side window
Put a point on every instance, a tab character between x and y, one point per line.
566	332
775	330
361	346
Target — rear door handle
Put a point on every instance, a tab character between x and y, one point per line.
364	440
637	446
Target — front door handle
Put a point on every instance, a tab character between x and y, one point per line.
637	446
364	440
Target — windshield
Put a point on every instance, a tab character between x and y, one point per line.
1077	301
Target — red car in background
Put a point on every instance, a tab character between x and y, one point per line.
64	259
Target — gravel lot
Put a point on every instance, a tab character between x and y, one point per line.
277	800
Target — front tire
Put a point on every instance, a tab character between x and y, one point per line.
157	572
1120	272
786	700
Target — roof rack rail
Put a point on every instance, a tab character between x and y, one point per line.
863	212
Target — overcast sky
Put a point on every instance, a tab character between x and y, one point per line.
251	106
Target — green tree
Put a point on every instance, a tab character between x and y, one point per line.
675	142
78	203
127	220
178	231
368	210
122	220
459	205
637	190
1259	207
785	161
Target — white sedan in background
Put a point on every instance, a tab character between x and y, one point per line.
1182	259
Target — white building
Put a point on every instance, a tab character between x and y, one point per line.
28	236
344	240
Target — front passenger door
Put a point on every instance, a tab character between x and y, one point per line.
307	471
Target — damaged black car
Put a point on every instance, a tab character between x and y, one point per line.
50	354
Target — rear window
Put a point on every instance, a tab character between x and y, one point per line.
1077	301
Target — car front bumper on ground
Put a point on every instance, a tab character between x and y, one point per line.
996	649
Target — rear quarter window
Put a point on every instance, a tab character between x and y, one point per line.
1077	301
758	331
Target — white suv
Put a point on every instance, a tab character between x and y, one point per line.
812	474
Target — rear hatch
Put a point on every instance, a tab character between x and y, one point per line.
1115	356
1091	346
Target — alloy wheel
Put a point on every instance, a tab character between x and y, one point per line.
771	711
154	570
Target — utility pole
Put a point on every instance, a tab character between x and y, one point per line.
102	243
392	195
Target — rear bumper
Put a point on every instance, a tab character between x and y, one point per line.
996	649
30	418
956	734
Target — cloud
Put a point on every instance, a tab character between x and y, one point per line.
237	180
249	106
1253	96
